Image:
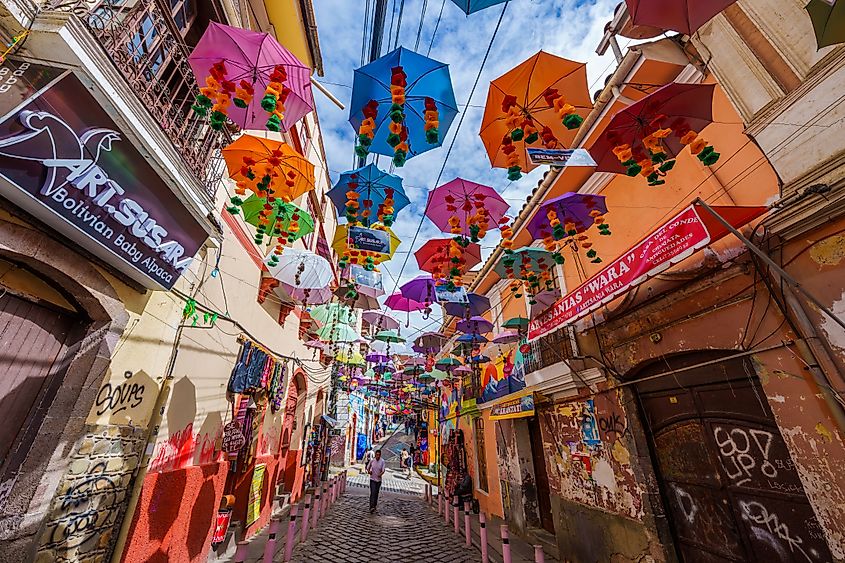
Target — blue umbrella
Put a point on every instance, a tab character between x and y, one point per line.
472	338
478	305
470	6
427	86
370	183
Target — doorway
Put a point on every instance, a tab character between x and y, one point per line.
729	484
541	476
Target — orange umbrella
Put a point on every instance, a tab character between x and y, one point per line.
272	169
540	103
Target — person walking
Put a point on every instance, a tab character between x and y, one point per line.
368	456
376	469
406	462
411	459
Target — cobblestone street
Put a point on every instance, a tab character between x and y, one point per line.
403	530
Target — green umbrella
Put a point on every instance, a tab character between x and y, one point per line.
253	205
424	377
332	313
516	322
828	21
338	332
438	375
389	336
447	362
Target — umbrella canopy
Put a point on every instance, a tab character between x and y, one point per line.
516	322
645	137
268	166
315	344
350	358
478	305
398	302
437	256
249	78
340	241
474	325
543	301
381	320
506	337
301	269
574	213
540	103
308	295
828	21
389	336
447	362
460	371
480	359
465	208
355	299
437	375
373	187
338	332
282	214
429	342
528	258
471	338
683	16
402	105
332	313
471	6
377	358
420	289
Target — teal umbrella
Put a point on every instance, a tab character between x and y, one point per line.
332	313
338	332
828	21
389	336
438	375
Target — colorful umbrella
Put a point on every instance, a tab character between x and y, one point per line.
420	289
402	105
398	302
332	313
447	362
307	295
543	301
389	336
478	305
249	78
315	344
516	322
368	195
828	21
340	241
461	207
506	337
471	338
683	16
301	269
437	375
561	222
540	103
471	6
350	358
531	267
646	137
268	167
338	332
377	358
480	359
474	325
356	299
446	258
283	213
461	371
380	320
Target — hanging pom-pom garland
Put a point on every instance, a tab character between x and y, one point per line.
367	129
398	137
432	122
274	98
386	211
565	111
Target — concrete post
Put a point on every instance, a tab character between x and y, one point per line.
539	556
331	492
439	503
291	537
325	499
467	535
482	522
315	512
446	510
305	517
270	546
506	546
241	551
455	519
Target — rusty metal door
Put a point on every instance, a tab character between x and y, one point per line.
544	498
32	347
731	489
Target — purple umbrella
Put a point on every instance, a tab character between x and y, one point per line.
478	305
506	337
315	344
462	370
475	325
420	289
381	320
429	342
398	302
543	301
415	361
467	201
251	57
571	209
377	358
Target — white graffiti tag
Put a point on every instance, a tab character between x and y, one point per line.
775	532
743	450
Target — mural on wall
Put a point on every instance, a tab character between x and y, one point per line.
450	400
588	458
504	375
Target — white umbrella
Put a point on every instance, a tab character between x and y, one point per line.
301	269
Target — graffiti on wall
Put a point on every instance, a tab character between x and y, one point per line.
83	516
186	448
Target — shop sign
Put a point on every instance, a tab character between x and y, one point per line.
518	406
560	157
459	295
253	509
366	278
65	161
371	240
233	438
676	240
221	526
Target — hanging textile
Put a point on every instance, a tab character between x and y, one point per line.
277	387
256	370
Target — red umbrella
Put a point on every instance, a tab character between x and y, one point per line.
647	136
683	16
440	255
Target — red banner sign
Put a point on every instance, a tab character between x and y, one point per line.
221	526
676	240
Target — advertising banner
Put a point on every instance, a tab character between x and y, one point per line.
676	240
371	240
363	277
518	406
560	157
64	160
445	296
221	526
253	510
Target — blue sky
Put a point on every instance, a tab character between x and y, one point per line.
567	28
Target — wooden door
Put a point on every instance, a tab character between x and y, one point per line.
32	351
544	499
727	478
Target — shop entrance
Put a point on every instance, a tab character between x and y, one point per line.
731	490
544	499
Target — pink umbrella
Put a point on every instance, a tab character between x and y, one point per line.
306	295
380	319
506	337
474	325
398	302
316	344
250	78
476	207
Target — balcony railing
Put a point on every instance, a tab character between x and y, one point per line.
143	40
552	349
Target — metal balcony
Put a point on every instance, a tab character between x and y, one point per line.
552	349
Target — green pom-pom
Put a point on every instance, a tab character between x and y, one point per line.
274	123
633	169
432	136
361	151
234	210
236	200
591	253
572	232
240	103
654	180
573	121
667	166
204	101
532	138
397	116
711	159
364	140
399	159
199	110
596	260
514	173
558	258
268	103
517	134
393	139
658	157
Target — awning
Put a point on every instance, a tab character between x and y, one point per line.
679	238
329	421
519	405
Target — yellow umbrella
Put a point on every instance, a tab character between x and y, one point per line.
353	359
341	236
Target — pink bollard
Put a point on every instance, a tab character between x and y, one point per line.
305	517
439	503
291	537
455	519
482	523
506	546
331	492
270	546
539	556
467	535
446	510
241	551
315	512
325	500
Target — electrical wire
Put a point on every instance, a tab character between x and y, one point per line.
419	30
436	27
398	24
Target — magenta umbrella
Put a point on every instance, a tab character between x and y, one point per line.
381	320
239	60
575	209
398	302
419	289
478	208
683	16
474	325
506	337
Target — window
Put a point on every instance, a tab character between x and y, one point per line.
480	454
144	46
